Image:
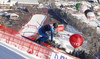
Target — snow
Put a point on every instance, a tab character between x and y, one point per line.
32	26
5	53
30	29
63	40
57	3
36	20
93	22
11	52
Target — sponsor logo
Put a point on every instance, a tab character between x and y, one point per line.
75	44
59	57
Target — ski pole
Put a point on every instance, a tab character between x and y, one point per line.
38	23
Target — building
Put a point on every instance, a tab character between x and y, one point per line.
18	2
25	1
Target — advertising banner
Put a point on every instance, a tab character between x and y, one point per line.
61	56
60	28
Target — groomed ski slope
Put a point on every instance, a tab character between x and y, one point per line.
11	52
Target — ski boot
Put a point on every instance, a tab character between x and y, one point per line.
38	41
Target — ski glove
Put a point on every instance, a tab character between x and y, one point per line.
50	42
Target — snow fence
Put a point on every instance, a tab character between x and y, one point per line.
7	35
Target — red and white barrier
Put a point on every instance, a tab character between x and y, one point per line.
25	45
31	47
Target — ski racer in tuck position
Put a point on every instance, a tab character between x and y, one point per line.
43	32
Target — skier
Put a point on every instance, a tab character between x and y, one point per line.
43	31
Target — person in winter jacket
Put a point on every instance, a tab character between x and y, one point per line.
43	32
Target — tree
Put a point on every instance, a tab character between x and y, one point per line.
98	1
91	54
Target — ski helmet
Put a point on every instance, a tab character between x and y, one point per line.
55	25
